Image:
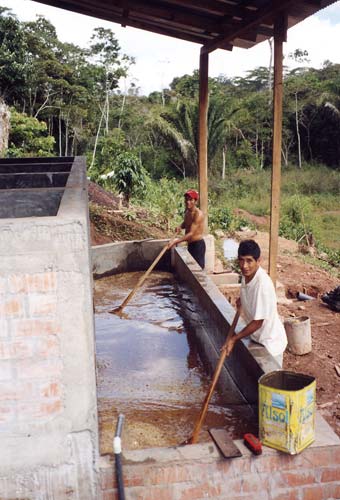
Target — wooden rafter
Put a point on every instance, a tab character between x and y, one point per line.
211	23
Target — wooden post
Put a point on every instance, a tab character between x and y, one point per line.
203	137
279	37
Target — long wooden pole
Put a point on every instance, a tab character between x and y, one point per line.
279	37
203	136
200	420
141	280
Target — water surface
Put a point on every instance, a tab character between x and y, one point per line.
148	366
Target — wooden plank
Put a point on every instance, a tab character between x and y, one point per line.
279	36
203	137
251	21
224	443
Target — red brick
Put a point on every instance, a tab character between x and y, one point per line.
36	327
285	494
233	468
323	456
298	478
11	308
44	369
50	390
28	283
42	305
47	347
39	411
109	495
264	496
155	493
108	479
176	474
280	462
135	476
7	413
313	493
254	483
330	474
15	391
231	487
205	490
51	408
19	349
335	450
331	490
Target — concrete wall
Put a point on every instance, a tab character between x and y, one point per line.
48	414
124	256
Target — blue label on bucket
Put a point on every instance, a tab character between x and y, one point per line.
310	396
278	401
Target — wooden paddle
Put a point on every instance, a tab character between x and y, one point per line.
194	438
119	309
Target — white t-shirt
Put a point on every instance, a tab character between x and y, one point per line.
258	300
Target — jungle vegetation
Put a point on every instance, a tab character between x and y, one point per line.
65	100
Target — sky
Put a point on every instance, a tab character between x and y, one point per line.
159	58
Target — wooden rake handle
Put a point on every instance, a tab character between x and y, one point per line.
142	279
194	437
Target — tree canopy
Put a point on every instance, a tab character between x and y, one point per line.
75	93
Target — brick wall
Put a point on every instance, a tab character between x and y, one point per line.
30	357
200	472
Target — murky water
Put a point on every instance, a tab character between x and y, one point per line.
148	367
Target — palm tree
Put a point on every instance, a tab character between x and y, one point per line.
179	129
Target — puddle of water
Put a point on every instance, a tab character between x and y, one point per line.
148	367
230	248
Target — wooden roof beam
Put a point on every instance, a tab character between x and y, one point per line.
114	16
271	9
178	16
212	7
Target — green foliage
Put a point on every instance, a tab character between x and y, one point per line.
12	57
128	175
28	137
108	149
296	218
220	218
165	199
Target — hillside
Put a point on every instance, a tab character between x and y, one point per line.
295	274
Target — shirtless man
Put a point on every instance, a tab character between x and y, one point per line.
193	225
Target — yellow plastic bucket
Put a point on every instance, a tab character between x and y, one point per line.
287	410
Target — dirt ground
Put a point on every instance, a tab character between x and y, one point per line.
294	275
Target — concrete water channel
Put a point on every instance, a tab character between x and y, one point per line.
154	363
152	369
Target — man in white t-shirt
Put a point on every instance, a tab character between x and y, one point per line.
258	303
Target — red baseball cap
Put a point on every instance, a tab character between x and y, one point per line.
192	194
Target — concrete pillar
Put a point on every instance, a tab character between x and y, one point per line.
210	253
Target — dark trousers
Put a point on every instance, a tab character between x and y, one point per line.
197	250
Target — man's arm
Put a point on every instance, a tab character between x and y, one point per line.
179	228
254	325
194	229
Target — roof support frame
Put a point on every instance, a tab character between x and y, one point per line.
280	35
203	135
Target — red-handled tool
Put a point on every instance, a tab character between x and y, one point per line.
253	443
